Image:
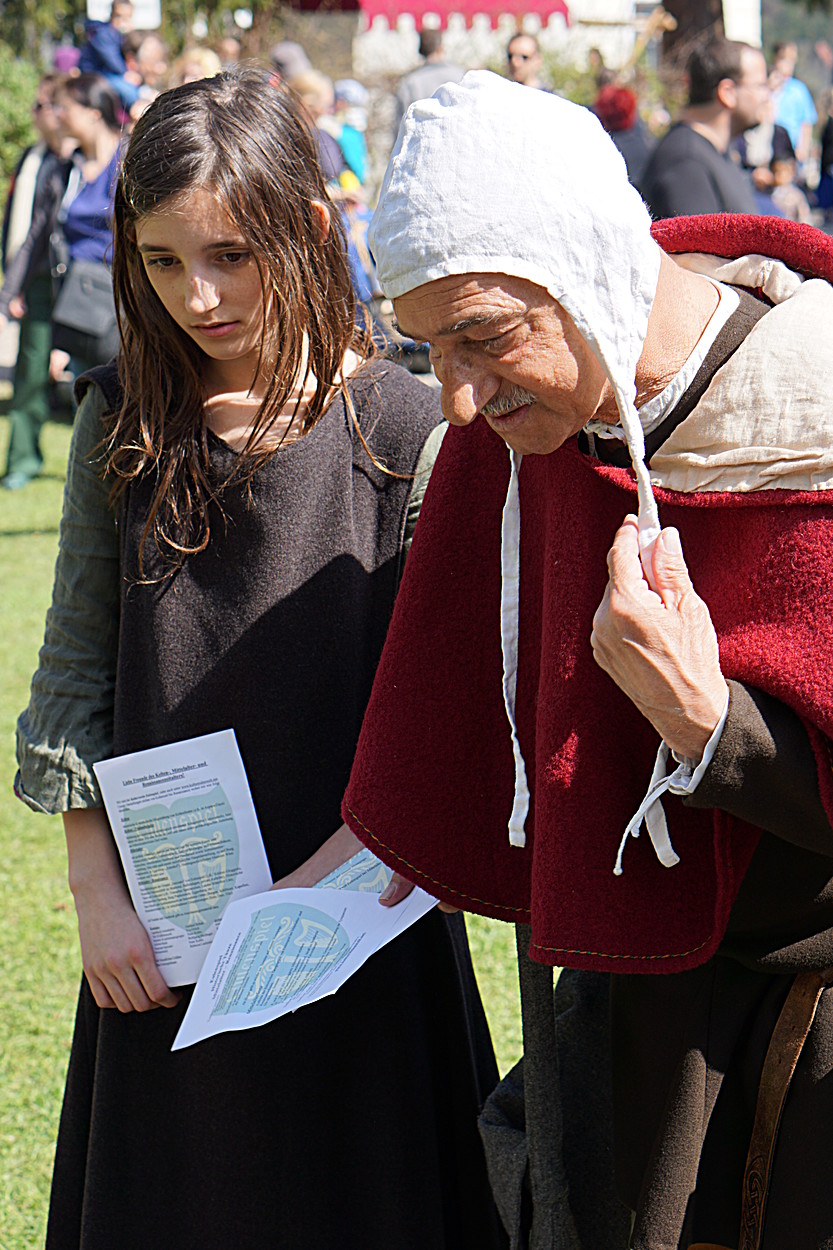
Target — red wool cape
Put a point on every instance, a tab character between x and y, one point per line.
432	785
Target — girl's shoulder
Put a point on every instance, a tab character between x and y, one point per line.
106	379
382	389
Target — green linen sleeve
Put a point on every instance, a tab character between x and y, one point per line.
68	724
429	453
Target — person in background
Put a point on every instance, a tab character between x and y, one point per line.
316	93
136	46
152	56
756	150
90	111
794	107
350	119
424	80
690	171
787	196
231	557
824	194
616	108
228	50
289	60
524	60
194	64
596	66
102	53
32	207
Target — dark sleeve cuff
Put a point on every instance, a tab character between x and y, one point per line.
764	772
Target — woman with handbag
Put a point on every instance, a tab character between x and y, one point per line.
229	557
26	294
84	318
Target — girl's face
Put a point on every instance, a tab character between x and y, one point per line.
207	279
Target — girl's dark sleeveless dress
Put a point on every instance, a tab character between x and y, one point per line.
351	1124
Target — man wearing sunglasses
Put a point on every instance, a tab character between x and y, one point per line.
523	60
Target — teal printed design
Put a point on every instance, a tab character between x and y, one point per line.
288	947
186	857
364	873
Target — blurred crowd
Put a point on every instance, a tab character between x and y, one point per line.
749	139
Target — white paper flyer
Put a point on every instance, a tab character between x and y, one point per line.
187	833
286	948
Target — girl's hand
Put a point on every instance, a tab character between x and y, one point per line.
400	887
115	948
118	956
339	847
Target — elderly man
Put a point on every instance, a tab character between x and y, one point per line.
561	673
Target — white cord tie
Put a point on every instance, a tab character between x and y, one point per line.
685	779
510	592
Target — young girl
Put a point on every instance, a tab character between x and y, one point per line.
229	557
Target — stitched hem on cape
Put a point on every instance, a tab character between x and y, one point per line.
513	912
566	950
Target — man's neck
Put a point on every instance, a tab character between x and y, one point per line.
712	121
684	305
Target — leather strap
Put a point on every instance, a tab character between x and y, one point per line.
785	1046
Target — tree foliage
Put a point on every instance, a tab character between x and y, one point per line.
18	84
27	23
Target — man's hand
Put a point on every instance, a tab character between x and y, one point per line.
660	647
17	307
115	948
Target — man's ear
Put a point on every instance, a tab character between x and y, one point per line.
321	217
726	93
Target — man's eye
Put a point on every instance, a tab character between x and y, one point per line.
159	262
234	258
496	342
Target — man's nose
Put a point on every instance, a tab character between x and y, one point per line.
201	294
465	389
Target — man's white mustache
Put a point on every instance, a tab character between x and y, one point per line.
507	402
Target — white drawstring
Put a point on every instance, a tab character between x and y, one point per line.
510	588
651	811
684	780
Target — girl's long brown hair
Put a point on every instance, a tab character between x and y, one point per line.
249	143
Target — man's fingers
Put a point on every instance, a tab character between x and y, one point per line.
623	562
397	889
670	570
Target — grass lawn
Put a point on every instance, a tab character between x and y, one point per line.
38	943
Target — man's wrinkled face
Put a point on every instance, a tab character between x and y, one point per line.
505	351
